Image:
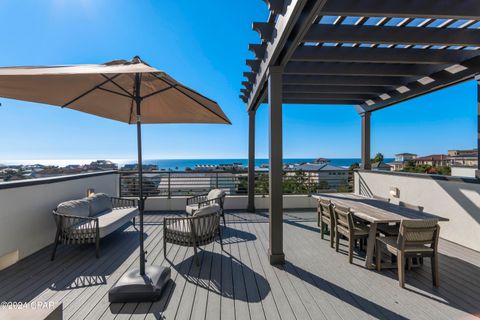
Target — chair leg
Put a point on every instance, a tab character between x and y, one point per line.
401	269
97	248
351	243
322	229
221	240
435	275
197	262
337	240
332	235
55	245
224	222
164	247
378	256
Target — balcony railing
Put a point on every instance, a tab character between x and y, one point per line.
183	183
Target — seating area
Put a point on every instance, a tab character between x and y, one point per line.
239	283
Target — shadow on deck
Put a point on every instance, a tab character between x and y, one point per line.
315	283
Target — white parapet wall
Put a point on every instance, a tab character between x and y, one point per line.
26	220
232	202
457	199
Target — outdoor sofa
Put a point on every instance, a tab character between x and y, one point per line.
90	219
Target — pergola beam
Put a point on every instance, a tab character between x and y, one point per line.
442	79
392	35
347	80
335	89
436	9
328	96
360	69
381	55
322	102
290	28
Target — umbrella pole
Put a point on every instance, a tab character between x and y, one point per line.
141	204
145	283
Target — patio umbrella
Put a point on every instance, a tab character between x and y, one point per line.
128	91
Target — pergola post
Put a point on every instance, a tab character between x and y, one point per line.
477	172
251	161
366	165
276	254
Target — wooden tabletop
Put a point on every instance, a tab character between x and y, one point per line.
373	210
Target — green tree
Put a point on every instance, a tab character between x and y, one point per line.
354	166
378	158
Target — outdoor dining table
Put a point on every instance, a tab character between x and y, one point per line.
375	212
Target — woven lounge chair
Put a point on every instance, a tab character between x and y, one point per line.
417	239
326	219
198	230
345	226
215	196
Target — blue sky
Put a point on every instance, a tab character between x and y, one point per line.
204	45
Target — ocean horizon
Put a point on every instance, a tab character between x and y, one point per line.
182	164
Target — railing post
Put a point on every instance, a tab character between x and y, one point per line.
216	180
169	190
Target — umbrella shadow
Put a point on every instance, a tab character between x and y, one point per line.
232	236
222	283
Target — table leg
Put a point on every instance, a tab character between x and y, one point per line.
372	236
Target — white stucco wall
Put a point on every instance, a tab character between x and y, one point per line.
26	221
232	202
453	198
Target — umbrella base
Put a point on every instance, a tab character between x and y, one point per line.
132	287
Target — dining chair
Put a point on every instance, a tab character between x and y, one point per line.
326	219
392	230
410	206
417	239
345	226
380	198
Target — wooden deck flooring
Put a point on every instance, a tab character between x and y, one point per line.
315	283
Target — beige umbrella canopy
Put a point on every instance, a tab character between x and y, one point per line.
108	90
126	91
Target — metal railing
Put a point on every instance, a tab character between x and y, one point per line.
184	183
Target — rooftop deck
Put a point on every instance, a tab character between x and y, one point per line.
315	283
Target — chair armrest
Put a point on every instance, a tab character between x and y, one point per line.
209	202
66	222
196	199
123	203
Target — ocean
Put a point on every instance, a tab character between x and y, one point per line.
182	164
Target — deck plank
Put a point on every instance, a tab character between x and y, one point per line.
239	283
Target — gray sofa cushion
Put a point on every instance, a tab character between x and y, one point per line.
112	220
79	208
191	208
215	193
99	203
214	208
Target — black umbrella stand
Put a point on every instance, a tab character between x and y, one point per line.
145	283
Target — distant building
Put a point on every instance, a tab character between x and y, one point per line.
381	166
467	158
327	176
102	165
145	167
400	160
434	160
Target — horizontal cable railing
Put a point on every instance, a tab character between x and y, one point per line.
184	183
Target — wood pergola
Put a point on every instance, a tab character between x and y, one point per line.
367	53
